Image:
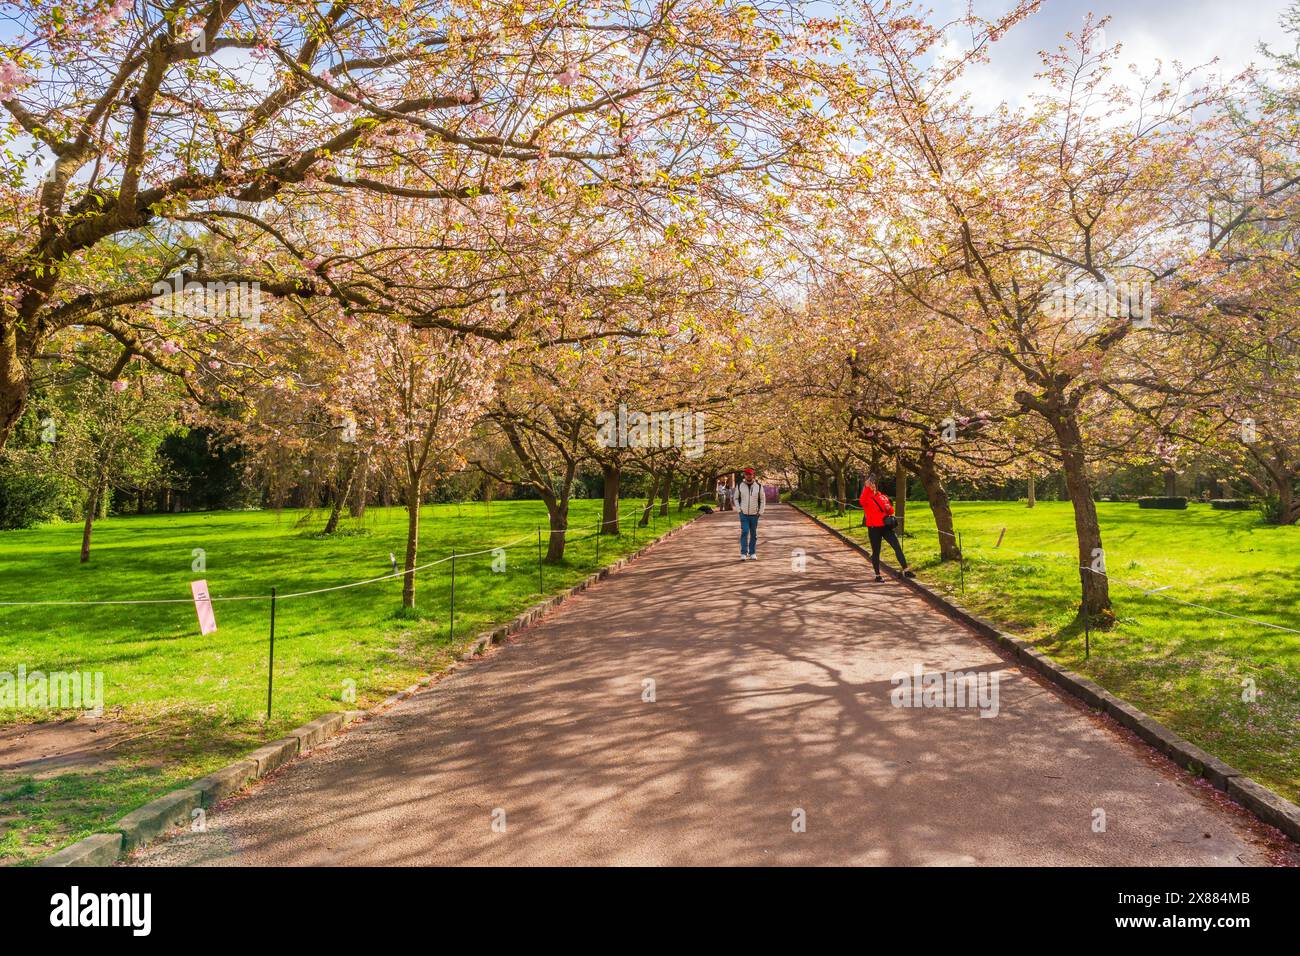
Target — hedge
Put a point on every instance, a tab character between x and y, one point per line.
1173	504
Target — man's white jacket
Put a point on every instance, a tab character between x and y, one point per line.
750	499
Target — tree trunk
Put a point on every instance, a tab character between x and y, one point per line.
357	507
1171	483
1288	507
559	512
939	505
1281	480
665	492
1092	577
94	500
342	496
609	510
1033	500
15	384
900	494
649	501
413	495
839	489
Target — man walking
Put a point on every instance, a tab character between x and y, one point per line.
750	502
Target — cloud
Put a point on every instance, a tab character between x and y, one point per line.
1192	32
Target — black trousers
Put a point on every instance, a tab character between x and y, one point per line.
878	535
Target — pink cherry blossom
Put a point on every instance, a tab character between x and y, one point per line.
106	18
12	78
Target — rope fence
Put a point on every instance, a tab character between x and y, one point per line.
597	532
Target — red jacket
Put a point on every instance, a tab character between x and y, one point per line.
875	507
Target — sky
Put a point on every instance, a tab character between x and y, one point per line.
1192	31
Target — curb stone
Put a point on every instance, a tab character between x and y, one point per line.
171	809
220	784
275	754
98	849
1267	805
157	816
1270	807
313	733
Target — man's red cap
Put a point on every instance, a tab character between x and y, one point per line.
749	471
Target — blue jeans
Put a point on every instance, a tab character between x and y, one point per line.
748	533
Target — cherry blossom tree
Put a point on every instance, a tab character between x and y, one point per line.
160	124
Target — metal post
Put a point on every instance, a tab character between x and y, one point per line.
1000	537
453	594
270	663
541	588
1087	634
599	532
961	562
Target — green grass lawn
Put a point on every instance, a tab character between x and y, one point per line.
190	703
1183	665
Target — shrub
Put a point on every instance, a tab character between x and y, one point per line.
28	498
1270	507
1230	504
1172	504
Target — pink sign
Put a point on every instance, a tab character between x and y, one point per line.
203	605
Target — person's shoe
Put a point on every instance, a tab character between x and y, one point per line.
744	557
753	557
908	573
879	578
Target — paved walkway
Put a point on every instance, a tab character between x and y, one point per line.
772	697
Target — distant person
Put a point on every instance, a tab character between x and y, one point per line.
751	503
722	494
878	516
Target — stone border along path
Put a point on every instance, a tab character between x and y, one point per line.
175	809
697	709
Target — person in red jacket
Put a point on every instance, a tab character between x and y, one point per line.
878	516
